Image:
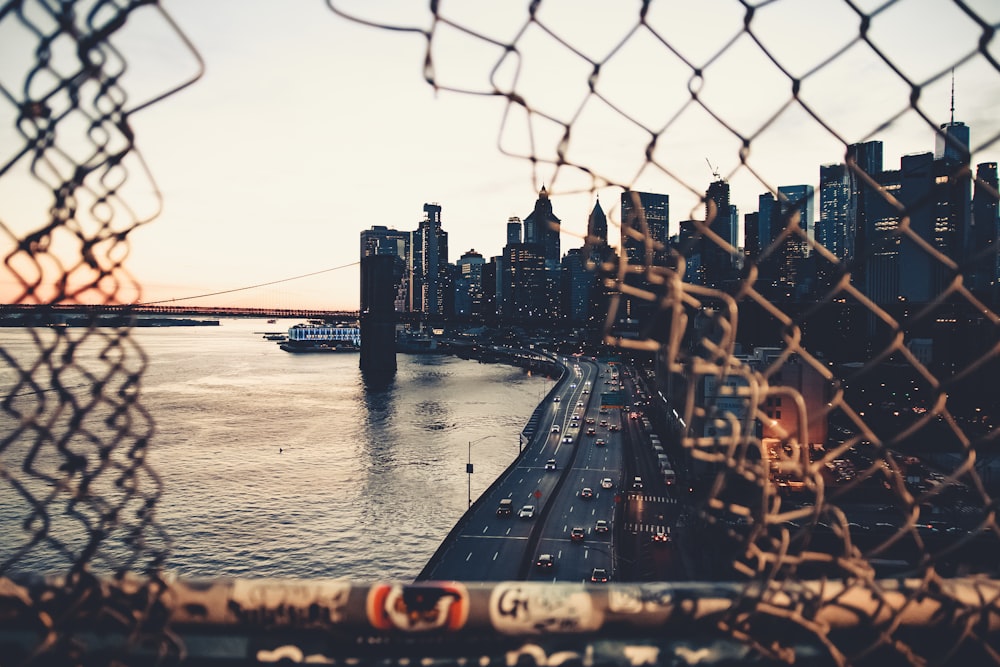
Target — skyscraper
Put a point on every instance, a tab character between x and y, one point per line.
768	227
952	142
983	242
834	209
492	281
597	226
645	220
751	235
716	259
879	256
796	200
543	227
577	287
469	286
381	240
430	262
525	297
513	229
863	164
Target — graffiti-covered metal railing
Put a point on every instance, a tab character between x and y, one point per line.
509	623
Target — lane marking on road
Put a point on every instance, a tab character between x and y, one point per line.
495	555
508	532
485	528
468	557
494	537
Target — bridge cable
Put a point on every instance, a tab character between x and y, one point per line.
241	289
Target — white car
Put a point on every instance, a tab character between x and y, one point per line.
601	526
606	483
550	464
526	512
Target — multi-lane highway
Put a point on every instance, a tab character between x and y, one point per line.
595	465
576	476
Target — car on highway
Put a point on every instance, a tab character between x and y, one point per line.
576	534
590	420
599	575
661	535
504	508
567	439
586	493
579	404
545	561
600	442
526	512
613	427
556	399
601	526
555	428
591	431
637	483
550	464
606	483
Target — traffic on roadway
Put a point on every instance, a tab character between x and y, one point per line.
560	510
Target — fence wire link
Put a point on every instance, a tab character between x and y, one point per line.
776	503
735	348
74	433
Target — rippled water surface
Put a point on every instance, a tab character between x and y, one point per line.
287	465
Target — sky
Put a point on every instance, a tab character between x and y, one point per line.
306	128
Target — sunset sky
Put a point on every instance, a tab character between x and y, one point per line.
307	128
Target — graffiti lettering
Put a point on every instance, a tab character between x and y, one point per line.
512	603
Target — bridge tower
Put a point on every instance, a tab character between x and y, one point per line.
379	276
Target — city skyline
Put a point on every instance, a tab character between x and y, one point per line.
348	147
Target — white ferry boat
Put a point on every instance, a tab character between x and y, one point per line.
322	338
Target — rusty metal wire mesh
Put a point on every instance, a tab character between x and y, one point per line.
872	427
74	436
821	442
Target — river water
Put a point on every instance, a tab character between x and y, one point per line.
283	465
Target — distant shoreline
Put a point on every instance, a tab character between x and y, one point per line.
53	320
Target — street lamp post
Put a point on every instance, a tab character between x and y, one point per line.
468	466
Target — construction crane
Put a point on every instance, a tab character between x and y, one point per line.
715	171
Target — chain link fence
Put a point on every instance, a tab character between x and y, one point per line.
830	382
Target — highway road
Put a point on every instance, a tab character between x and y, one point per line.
654	508
577	446
489	547
598	456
